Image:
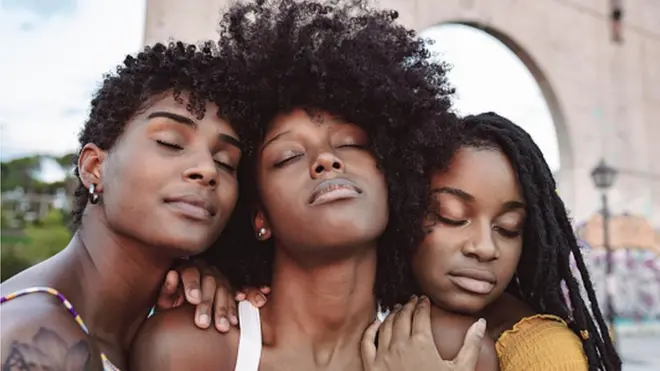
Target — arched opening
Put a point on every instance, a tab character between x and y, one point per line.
492	73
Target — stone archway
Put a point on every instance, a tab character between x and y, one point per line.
604	98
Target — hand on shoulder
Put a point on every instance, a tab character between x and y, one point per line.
170	340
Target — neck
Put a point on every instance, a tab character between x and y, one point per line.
115	281
326	307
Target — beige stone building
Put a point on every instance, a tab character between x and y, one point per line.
604	97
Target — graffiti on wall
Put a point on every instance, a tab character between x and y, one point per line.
636	281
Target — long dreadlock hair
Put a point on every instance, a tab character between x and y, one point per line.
548	239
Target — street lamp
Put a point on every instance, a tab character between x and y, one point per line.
603	176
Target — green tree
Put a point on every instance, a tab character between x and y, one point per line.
46	238
19	172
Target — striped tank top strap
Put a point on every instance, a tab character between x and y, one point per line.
107	365
51	291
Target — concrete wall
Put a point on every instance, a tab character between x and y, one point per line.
604	98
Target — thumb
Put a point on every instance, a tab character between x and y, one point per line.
368	345
467	357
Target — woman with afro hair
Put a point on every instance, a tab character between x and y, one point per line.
340	98
160	148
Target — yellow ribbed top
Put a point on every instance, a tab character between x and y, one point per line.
540	342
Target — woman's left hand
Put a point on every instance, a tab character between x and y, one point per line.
205	287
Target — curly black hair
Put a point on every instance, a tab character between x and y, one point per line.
178	68
548	238
354	62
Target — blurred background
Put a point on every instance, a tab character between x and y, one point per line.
581	76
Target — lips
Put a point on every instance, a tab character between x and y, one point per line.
476	281
331	190
193	206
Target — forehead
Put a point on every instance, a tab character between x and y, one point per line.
301	118
480	171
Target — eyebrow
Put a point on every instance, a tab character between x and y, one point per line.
189	122
508	206
276	137
454	192
513	205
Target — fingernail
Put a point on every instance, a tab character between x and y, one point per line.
223	325
397	306
480	329
260	300
204	320
240	296
233	319
195	294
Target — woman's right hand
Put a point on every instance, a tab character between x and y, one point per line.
405	342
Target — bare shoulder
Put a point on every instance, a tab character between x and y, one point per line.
170	341
449	330
39	333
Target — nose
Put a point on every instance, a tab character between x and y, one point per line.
481	246
204	172
326	162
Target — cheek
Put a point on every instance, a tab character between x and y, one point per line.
509	258
129	187
432	256
227	192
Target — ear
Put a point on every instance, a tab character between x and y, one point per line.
261	224
90	162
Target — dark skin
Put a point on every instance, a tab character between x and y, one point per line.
479	186
322	299
168	168
475	240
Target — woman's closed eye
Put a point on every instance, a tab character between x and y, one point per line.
228	167
436	217
353	145
506	232
288	159
169	145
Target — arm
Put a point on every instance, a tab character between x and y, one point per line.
541	342
39	337
171	341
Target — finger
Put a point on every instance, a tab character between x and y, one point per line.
190	280
265	290
167	296
223	302
203	310
403	321
385	330
255	297
240	295
469	354
368	344
233	310
421	323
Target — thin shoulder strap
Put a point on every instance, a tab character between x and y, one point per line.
249	343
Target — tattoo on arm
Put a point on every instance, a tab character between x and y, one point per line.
48	351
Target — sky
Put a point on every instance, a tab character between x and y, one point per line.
54	55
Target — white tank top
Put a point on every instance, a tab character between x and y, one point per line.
249	339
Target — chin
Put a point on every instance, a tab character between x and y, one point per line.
182	246
465	304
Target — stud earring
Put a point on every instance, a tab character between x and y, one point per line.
261	233
93	196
